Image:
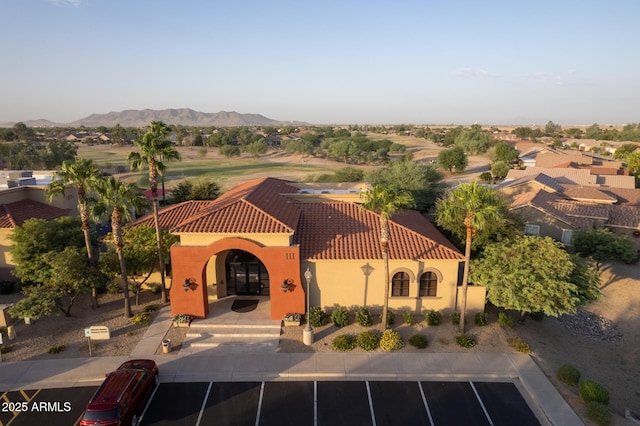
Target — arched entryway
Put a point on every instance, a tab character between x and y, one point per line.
245	274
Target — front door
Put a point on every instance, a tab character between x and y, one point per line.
246	275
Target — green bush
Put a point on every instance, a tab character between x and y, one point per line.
408	318
598	413
344	342
391	317
592	391
368	341
418	341
56	349
519	345
504	320
537	315
465	341
363	317
143	319
316	316
155	288
113	287
150	308
568	374
183	318
391	341
455	318
340	316
433	317
482	318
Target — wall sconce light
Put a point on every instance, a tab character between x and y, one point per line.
187	284
286	284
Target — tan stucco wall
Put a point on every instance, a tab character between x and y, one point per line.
267	240
38	193
549	226
5	244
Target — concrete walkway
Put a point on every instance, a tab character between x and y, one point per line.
211	365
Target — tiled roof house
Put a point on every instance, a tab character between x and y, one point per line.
260	238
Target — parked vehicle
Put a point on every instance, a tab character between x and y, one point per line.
122	395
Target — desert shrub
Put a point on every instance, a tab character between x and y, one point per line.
455	318
391	317
568	374
504	320
150	308
433	317
482	318
519	345
316	316
113	287
593	391
56	349
418	341
344	342
143	319
598	413
340	316
183	318
465	341
155	288
363	317
537	315
368	340
408	318
391	341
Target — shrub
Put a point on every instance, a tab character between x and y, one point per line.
433	317
504	320
344	342
482	318
391	317
183	318
368	340
519	345
408	318
537	315
5	349
340	316
150	308
363	317
155	288
316	316
465	341
418	341
56	349
455	318
592	391
568	374
113	287
391	341
143	319
292	317
598	413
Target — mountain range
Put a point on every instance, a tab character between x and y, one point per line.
183	116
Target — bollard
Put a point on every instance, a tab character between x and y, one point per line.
166	346
11	332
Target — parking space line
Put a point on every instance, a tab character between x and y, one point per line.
260	404
426	405
315	403
481	403
373	416
204	403
144	411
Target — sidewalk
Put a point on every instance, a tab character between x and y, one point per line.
209	365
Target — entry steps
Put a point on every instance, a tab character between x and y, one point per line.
241	337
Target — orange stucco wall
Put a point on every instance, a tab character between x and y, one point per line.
189	262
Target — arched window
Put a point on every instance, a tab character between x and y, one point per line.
400	284
428	284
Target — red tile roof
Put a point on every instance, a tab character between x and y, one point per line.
174	215
15	214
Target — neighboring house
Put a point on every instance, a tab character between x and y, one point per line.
574	177
261	237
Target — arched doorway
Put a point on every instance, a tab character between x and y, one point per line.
246	274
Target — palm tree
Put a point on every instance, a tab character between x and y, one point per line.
117	200
386	202
155	148
84	176
476	207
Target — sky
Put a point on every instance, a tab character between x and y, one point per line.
524	62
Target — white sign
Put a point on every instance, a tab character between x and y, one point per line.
87	332
100	332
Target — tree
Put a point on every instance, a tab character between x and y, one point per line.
633	163
230	150
500	169
257	148
201	189
624	150
385	202
155	149
116	199
603	246
533	274
477	207
454	158
84	176
505	152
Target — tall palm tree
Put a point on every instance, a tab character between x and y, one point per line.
84	176
476	207
155	149
118	201
386	202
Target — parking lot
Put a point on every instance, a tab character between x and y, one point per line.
294	403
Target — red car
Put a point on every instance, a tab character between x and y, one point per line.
123	393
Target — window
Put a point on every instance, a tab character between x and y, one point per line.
567	235
532	230
400	284
428	284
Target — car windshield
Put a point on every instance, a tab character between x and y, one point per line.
101	415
